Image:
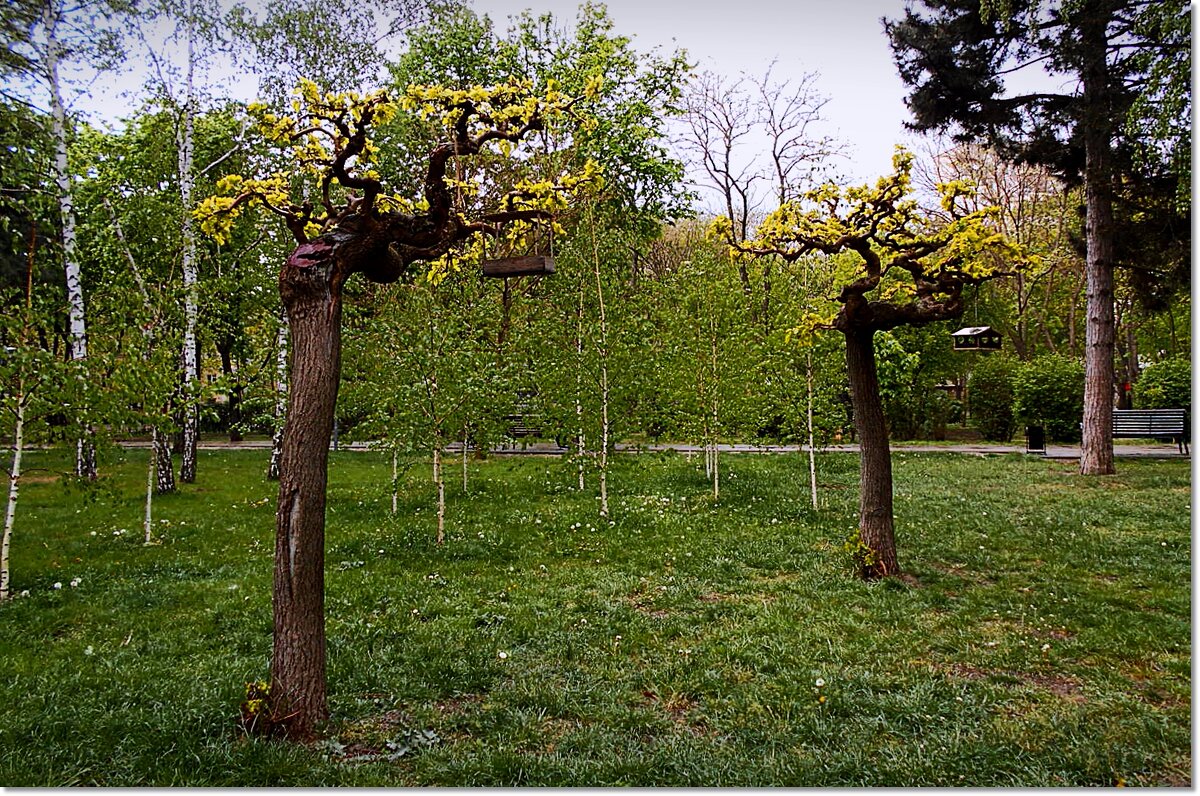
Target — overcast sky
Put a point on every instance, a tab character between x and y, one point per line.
842	40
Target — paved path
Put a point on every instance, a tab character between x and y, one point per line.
1140	450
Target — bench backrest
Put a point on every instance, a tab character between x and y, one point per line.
1149	422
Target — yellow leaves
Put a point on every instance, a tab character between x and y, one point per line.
504	107
594	87
218	212
216	215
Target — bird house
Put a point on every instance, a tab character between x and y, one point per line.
976	338
536	265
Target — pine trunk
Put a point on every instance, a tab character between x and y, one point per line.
298	690
875	523
1096	456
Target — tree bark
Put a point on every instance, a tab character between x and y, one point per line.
14	484
191	364
312	297
85	447
1096	457
875	522
281	392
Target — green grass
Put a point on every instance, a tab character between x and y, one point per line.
1043	637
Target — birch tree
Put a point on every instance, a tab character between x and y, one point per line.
60	35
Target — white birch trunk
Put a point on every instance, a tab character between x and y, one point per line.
580	440
85	448
812	447
441	491
716	467
281	389
151	472
191	367
464	458
395	482
14	481
603	381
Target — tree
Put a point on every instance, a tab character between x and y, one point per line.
350	226
33	383
56	34
956	57
895	269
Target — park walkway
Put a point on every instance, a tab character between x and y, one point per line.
1122	449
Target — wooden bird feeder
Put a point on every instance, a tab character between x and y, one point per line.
976	338
536	265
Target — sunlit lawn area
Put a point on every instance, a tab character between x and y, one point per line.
1042	638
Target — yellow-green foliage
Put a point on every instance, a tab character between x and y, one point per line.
897	244
322	127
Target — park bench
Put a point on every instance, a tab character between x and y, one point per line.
522	426
1168	425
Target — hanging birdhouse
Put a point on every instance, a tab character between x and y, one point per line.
976	338
536	265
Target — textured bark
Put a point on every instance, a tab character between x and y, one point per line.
876	525
1096	457
312	297
281	392
191	364
85	448
14	483
164	468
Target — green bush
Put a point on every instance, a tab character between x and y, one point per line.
1048	392
1165	385
991	396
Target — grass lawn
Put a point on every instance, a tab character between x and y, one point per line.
1043	637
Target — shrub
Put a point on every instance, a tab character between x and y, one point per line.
991	397
1048	392
1165	385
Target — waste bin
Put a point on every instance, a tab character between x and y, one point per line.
1035	440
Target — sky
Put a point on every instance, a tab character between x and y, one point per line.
841	40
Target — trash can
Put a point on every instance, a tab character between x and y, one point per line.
1035	440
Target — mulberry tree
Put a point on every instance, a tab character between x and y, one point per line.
344	222
896	265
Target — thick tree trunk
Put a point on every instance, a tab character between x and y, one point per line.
1096	456
875	522
312	298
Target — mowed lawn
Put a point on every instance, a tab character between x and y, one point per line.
1041	635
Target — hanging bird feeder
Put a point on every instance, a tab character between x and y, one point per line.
534	265
976	338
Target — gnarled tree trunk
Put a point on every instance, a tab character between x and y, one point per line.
876	526
312	297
